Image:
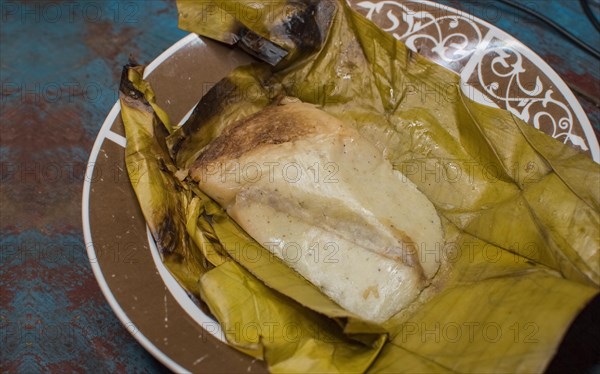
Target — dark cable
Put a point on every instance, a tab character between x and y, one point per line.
585	4
592	99
556	26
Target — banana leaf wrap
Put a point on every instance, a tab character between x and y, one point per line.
520	210
199	244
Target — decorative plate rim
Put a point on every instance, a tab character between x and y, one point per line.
540	64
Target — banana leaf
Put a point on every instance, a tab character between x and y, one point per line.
191	232
520	210
263	323
364	76
152	175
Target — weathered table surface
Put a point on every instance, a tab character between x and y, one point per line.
60	65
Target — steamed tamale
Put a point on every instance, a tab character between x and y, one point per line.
313	191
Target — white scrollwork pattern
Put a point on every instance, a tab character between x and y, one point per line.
416	27
455	37
528	100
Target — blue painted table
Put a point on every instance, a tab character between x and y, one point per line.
60	66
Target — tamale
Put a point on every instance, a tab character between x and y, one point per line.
344	230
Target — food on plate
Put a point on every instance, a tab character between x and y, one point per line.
313	191
514	228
